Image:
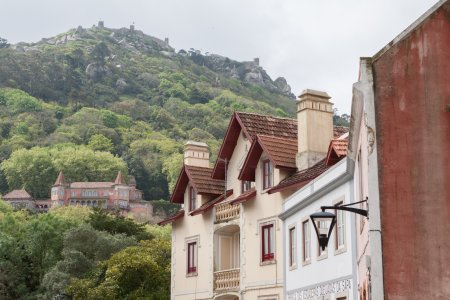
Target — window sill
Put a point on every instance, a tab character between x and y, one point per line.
293	267
340	250
322	256
306	262
268	262
193	274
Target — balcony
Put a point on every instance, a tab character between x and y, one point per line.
226	212
227	280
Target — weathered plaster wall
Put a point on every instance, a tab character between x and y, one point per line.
412	105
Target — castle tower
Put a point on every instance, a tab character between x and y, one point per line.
58	196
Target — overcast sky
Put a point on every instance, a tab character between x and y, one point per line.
312	43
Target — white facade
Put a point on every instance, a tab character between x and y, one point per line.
330	274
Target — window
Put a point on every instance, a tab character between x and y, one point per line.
267	242
192	258
245	186
292	247
306	242
192	199
267	174
340	228
321	253
88	193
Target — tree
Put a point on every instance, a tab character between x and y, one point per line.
3	43
99	53
136	272
99	142
115	224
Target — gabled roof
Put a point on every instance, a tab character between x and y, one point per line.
251	124
210	204
339	131
280	151
172	218
61	180
248	195
336	150
17	194
301	178
200	179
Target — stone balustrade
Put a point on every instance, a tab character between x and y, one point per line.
225	211
227	280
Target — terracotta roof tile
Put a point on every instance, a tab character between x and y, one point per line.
201	179
119	179
267	125
91	185
60	180
248	195
340	131
340	146
210	204
172	218
17	194
281	150
301	178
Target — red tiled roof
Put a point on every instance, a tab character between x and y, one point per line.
281	152
210	204
251	124
201	180
172	218
250	194
301	178
340	131
267	125
17	194
336	150
91	185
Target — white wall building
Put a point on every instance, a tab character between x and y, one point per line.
311	273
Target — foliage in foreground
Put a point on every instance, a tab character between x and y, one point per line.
83	253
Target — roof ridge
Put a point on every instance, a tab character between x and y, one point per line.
262	115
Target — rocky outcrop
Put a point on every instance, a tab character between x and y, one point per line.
96	71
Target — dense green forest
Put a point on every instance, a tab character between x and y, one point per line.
89	98
82	253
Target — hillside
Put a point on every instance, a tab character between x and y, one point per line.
123	92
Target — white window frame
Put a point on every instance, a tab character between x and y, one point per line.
306	241
340	214
292	259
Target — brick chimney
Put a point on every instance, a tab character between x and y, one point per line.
315	127
196	154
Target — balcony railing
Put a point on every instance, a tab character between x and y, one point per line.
225	212
226	280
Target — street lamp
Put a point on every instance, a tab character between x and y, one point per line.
329	220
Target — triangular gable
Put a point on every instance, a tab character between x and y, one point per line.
251	125
280	151
200	179
336	151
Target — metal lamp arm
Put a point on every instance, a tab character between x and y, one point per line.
350	209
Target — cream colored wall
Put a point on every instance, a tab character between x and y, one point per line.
315	130
261	278
235	163
200	227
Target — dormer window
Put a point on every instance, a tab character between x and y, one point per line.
192	199
267	173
